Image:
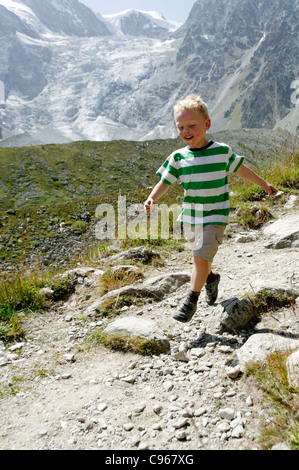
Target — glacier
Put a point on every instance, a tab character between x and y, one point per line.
69	74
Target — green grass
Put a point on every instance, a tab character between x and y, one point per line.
61	173
21	294
283	401
126	343
250	205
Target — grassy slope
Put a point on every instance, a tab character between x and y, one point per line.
58	173
46	175
54	184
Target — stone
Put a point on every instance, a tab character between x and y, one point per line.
102	407
293	369
138	254
69	357
284	233
180	356
181	435
233	372
200	411
128	426
245	238
227	413
46	291
155	288
277	288
236	313
180	423
197	352
139	328
291	203
168	385
260	345
238	431
230	315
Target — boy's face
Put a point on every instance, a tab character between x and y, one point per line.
192	127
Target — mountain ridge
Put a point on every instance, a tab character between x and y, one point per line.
84	78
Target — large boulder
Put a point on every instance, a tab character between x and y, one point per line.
124	331
154	288
293	369
230	315
140	254
236	313
260	345
284	232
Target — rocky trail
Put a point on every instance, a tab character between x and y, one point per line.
74	395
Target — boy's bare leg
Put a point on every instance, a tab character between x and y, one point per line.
200	272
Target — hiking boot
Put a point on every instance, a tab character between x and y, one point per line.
185	311
212	288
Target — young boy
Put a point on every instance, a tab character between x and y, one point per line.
202	168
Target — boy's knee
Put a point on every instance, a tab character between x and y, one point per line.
200	261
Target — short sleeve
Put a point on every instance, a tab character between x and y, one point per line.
234	162
168	172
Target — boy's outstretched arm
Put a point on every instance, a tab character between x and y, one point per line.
156	193
249	175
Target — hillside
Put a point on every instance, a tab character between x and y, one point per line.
60	173
49	194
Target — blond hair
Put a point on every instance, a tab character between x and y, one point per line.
192	103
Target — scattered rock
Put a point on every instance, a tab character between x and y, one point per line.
73	396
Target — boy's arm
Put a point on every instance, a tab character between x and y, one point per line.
156	193
249	175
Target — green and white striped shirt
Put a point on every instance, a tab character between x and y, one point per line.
203	174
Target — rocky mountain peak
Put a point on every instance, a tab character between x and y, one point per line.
76	75
233	51
69	17
141	23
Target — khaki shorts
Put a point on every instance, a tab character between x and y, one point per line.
204	240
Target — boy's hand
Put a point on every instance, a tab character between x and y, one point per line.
249	175
148	205
271	190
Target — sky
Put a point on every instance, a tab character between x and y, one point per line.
175	10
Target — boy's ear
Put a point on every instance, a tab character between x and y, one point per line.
208	124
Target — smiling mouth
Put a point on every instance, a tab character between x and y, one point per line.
189	138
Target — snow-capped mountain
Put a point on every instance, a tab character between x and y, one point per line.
58	16
70	74
141	23
66	83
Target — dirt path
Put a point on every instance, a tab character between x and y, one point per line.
72	395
